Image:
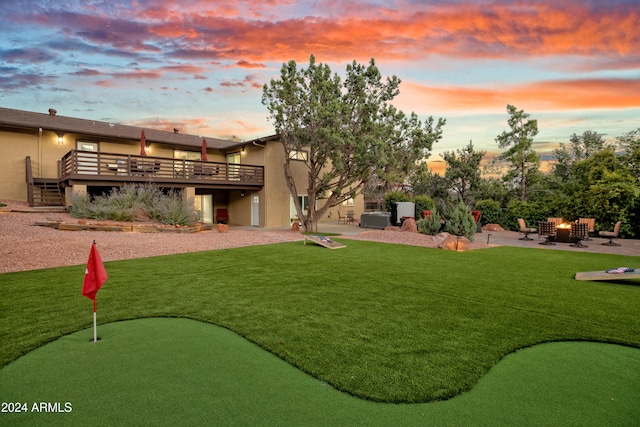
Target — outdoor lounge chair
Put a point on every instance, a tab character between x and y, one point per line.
546	229
526	230
556	221
579	232
591	223
611	235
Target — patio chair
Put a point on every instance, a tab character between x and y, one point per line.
526	230
611	235
579	232
546	229
222	216
556	221
591	223
350	215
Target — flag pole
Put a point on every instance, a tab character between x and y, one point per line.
95	325
94	276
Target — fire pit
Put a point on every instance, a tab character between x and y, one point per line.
563	234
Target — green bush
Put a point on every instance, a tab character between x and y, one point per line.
531	212
461	222
430	225
490	211
173	210
423	203
392	197
124	203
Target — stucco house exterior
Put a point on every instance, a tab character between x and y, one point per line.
46	158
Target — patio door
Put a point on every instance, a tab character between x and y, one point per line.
233	160
255	211
204	207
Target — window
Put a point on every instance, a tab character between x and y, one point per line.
186	155
298	155
348	202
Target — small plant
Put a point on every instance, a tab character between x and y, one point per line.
430	225
461	222
423	203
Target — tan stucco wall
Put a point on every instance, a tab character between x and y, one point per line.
277	198
44	150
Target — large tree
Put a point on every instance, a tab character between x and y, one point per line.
348	128
630	145
580	148
463	171
523	160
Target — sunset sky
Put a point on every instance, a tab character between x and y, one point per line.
200	65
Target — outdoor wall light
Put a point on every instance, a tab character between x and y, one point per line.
60	138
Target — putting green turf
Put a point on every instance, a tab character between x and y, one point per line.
164	371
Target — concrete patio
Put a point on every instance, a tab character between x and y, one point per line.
512	238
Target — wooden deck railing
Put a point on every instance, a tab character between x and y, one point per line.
100	166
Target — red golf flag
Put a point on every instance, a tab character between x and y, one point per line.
94	276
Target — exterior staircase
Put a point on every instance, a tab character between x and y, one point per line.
46	192
43	191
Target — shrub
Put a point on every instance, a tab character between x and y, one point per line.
171	209
423	203
531	212
392	197
123	203
490	211
430	225
461	222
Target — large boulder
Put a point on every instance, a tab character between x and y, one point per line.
409	225
439	238
455	243
492	227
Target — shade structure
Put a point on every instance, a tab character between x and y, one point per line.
203	156
143	144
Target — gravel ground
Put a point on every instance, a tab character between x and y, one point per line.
26	246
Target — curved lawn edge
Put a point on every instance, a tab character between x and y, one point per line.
166	370
271	307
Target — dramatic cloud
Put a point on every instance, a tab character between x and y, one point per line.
460	59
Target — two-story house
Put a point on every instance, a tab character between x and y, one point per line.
46	158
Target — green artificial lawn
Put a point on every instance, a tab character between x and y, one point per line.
384	322
183	372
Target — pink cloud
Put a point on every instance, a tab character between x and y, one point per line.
558	94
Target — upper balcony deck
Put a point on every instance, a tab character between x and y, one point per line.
98	168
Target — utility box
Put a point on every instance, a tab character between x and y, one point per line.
401	210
